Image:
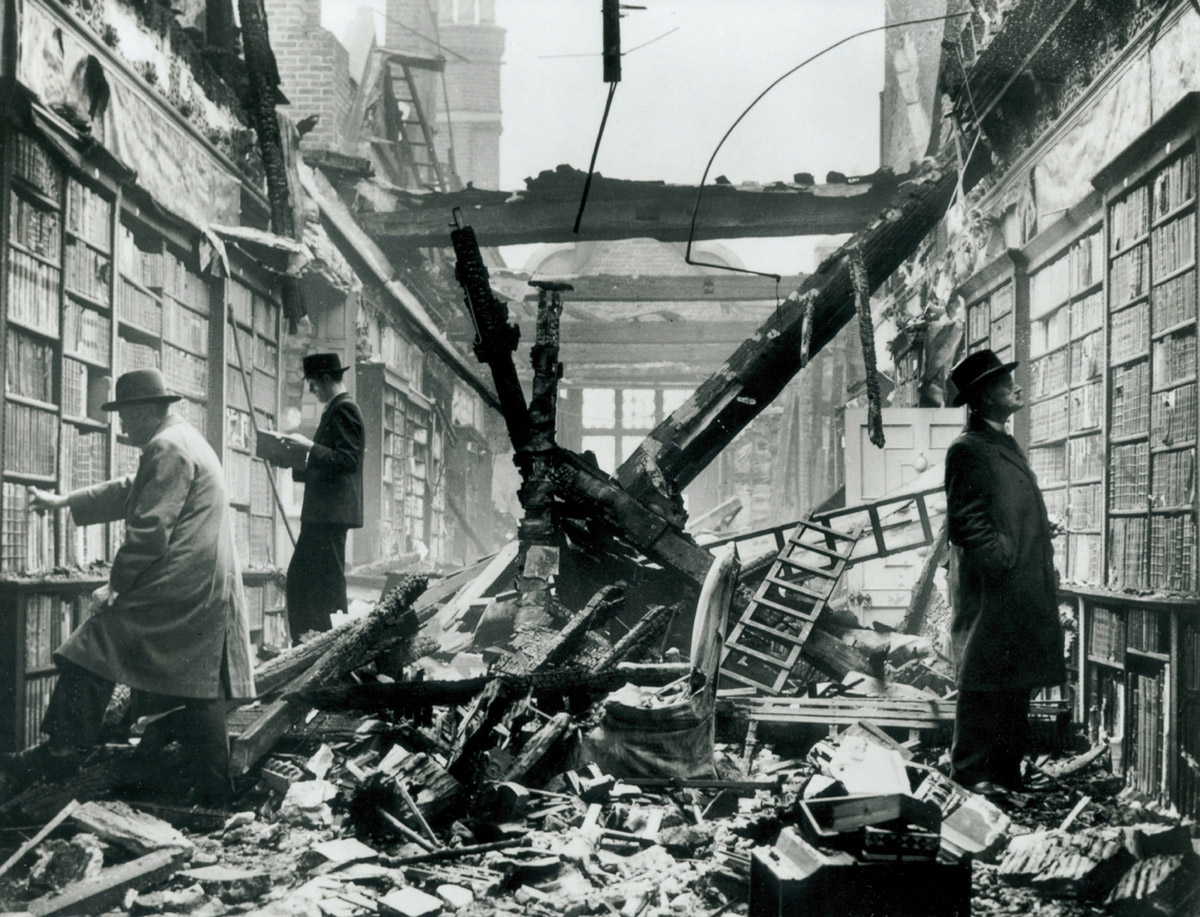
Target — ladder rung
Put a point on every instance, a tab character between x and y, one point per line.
819	549
745	679
826	572
794	612
783	636
762	657
796	587
808	524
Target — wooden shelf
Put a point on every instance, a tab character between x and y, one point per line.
1122	513
1084	292
90	361
1171	275
148	336
138	285
1159	335
1132	358
87	300
71	234
27	188
1128	438
1104	660
1129	246
185	348
1148	654
1174	383
32	402
1174	447
1122	306
37	256
1171	214
85	422
31	477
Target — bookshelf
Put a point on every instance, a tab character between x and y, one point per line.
256	323
396	464
1066	398
1152	366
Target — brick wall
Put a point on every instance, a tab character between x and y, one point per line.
314	68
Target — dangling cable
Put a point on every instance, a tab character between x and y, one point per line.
700	190
587	184
810	308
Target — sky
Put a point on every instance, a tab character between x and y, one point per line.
706	61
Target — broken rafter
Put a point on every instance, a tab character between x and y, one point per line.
619	209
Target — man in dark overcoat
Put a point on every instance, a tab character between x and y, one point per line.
333	502
171	622
1005	631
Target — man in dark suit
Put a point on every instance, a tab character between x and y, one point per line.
332	478
1005	631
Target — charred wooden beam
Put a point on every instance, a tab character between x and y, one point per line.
620	209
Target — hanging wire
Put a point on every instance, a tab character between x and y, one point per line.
433	41
587	184
623	53
700	190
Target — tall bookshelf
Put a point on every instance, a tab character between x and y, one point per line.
397	464
1066	398
256	318
1152	434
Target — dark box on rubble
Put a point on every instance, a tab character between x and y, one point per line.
793	877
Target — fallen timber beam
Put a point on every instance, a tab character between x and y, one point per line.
401	696
619	209
685	443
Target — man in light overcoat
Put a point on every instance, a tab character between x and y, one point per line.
171	621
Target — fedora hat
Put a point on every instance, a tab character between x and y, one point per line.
316	364
139	386
974	370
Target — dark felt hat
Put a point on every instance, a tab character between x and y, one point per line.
974	370
139	386
317	363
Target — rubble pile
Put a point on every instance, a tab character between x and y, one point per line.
566	768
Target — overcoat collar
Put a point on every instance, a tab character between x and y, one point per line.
334	401
1007	446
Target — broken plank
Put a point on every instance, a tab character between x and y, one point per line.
40	836
137	832
651	624
536	747
101	892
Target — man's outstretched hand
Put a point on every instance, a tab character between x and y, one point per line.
42	500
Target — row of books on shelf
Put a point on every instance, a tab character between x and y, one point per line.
1130	400
37	693
84	457
1173	415
34	227
185	328
1174	357
183	284
30	440
26	538
89	215
185	373
1130	332
34	291
1174	245
138	307
1129	277
28	366
1173	553
1175	301
83	390
253	310
194	413
1173	479
1129	218
1175	184
254	538
33	163
131	355
49	620
1085	262
143	266
87	333
87	271
82	544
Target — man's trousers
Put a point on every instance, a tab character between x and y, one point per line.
316	578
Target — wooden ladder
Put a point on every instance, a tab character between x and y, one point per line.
415	132
764	646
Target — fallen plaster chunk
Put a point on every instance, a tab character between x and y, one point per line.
126	827
410	902
231	885
455	895
171	901
318	765
61	862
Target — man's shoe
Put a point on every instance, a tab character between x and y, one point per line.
21	769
